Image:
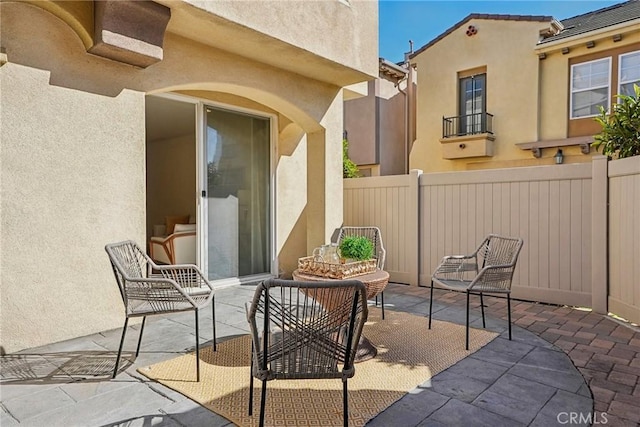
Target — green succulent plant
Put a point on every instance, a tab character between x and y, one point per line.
356	247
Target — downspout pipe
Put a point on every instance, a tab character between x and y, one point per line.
406	125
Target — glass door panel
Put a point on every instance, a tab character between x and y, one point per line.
237	156
472	104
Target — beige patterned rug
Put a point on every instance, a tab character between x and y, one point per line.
408	355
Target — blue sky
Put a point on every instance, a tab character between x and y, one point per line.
423	20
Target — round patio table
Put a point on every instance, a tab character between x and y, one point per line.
374	283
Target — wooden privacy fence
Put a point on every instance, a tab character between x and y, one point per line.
579	223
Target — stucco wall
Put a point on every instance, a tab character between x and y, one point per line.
391	127
72	180
505	48
73	165
353	24
555	79
376	127
360	117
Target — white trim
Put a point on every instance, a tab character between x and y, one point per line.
201	182
201	185
571	91
273	124
620	83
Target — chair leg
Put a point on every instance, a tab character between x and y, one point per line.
430	304
262	402
251	383
197	349
484	325
124	331
345	403
213	313
144	319
509	313
467	333
382	299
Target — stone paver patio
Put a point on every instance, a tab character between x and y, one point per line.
561	361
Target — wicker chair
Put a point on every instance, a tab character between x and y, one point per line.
488	270
374	234
305	330
148	289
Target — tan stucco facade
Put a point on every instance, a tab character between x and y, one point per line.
376	127
73	141
527	92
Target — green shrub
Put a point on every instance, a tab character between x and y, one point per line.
356	247
349	169
620	134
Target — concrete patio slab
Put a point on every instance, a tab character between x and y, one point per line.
591	363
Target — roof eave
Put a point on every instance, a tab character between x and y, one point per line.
546	47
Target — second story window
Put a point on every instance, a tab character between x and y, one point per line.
629	69
590	87
473	103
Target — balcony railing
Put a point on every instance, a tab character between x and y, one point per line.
470	124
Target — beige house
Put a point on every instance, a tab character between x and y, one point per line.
381	125
502	91
120	115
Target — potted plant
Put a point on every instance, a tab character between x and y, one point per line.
358	248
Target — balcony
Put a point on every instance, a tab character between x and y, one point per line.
466	136
470	124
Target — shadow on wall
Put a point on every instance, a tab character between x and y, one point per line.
294	247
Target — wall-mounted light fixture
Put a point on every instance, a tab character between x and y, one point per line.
585	148
590	44
542	55
559	157
565	50
617	37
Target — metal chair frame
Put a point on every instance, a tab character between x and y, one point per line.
149	289
305	330
375	235
487	270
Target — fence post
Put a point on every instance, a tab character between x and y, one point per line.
413	218
599	235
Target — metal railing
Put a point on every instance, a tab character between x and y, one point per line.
470	124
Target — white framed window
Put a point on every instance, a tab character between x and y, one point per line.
628	72
590	82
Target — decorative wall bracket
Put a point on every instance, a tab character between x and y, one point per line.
130	31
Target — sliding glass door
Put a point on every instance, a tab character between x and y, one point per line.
237	156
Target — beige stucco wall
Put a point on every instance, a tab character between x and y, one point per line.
392	125
72	180
376	127
505	48
73	164
360	124
528	96
555	72
339	31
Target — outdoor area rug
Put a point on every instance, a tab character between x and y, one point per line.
408	355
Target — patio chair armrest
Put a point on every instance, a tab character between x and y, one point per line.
154	285
185	275
493	278
454	266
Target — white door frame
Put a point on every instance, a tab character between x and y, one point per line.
201	184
